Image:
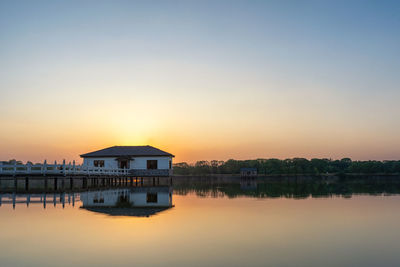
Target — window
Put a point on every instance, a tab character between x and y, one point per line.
170	164
98	163
151	198
152	164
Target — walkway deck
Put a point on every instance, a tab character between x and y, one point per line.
57	170
72	169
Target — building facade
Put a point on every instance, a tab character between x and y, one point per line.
248	172
139	160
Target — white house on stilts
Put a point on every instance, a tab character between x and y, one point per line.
138	160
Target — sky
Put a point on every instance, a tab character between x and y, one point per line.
202	80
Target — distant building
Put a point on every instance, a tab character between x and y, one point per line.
248	172
139	160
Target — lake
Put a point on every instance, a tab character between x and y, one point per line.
212	221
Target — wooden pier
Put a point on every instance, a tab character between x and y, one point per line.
45	169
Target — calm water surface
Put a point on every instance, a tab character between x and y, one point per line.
214	222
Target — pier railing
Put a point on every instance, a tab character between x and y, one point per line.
57	169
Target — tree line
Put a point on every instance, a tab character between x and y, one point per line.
289	167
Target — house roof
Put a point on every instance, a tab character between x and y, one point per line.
128	151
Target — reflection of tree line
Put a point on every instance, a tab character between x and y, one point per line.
289	187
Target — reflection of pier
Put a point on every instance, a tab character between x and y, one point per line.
67	190
43	198
142	201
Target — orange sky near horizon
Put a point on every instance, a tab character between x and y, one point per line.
267	124
62	142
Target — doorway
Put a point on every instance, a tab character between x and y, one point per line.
123	164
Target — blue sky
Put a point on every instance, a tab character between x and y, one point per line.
302	78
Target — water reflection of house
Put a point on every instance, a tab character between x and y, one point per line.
159	196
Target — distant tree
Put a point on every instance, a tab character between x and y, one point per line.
289	166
